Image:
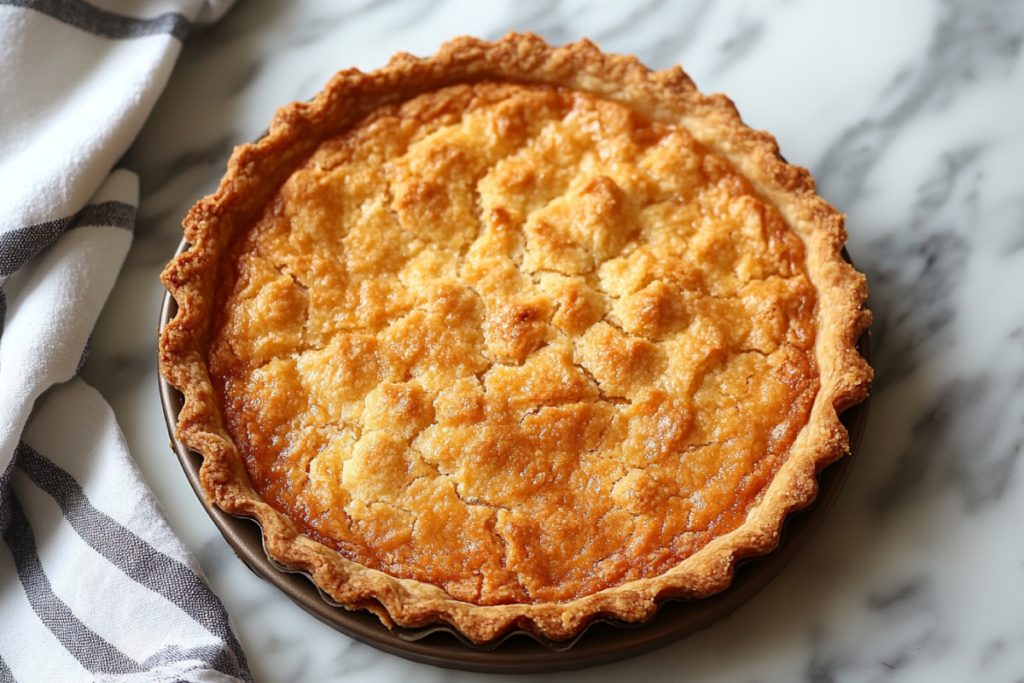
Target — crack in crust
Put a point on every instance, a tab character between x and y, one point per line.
219	229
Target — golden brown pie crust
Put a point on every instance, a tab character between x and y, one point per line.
509	409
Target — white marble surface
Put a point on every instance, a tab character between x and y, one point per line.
908	113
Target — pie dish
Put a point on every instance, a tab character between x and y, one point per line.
514	336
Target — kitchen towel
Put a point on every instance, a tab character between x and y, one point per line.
94	585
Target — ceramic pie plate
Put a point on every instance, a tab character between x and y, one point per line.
602	642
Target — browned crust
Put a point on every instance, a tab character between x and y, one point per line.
256	171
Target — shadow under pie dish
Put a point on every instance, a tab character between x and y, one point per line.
514	336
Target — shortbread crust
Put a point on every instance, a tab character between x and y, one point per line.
523	356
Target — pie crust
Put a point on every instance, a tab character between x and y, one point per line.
609	344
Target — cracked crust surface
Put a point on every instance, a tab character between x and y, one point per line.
517	342
514	336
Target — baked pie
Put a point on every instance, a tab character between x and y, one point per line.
514	336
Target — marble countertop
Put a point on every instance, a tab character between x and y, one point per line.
909	115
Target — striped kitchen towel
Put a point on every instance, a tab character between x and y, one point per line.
94	585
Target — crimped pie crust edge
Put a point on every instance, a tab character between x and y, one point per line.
257	170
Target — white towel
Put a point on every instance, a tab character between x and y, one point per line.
94	585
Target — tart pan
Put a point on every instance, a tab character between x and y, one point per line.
602	642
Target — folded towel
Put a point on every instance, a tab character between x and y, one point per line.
94	585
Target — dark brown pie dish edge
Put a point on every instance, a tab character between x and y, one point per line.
603	641
845	375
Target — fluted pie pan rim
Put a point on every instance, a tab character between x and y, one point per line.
257	169
603	641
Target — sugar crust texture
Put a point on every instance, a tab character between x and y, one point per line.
517	342
502	299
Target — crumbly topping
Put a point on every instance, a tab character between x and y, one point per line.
517	342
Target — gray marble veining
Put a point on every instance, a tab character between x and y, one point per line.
909	115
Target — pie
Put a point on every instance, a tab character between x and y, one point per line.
514	336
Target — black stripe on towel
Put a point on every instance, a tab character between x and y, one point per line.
86	17
142	562
5	486
3	324
5	672
21	244
92	651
